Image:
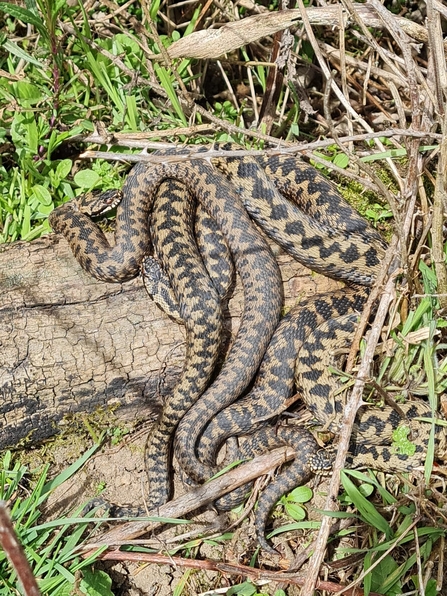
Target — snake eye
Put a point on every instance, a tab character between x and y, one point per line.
96	203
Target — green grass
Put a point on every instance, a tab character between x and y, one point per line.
55	87
64	86
50	547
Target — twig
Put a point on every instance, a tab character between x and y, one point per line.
439	203
440	194
138	139
213	43
15	553
195	499
227	568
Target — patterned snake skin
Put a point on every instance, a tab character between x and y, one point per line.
253	261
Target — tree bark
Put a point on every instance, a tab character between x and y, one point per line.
70	344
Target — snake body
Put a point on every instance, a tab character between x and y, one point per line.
253	261
372	437
89	244
173	239
371	442
214	255
318	228
275	380
315	225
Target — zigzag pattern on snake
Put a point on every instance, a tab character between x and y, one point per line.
318	228
275	381
213	250
308	353
253	260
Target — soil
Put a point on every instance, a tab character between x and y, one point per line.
121	471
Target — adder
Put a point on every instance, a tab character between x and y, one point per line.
253	260
302	351
327	239
319	229
298	208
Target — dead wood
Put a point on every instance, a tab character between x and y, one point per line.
71	344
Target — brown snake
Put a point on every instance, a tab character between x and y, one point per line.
253	261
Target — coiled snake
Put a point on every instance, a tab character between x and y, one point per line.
310	221
253	260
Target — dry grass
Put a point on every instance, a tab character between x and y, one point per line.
342	80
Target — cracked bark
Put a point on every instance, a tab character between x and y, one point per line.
70	344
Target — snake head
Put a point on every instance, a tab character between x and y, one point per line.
97	203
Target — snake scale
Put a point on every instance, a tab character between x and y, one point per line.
316	226
304	214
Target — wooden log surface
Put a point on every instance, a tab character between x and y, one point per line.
70	343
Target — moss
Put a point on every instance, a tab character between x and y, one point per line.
369	204
78	433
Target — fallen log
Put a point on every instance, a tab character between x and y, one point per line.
70	344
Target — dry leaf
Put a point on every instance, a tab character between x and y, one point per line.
212	43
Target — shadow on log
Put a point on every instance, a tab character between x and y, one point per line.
70	343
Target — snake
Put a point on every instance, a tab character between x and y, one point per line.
253	260
300	210
172	234
214	253
274	384
308	349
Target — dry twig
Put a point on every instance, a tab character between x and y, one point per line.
195	499
14	551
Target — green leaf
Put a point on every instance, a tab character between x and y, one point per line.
154	9
86	179
20	53
68	472
96	583
165	81
24	15
301	525
367	581
178	590
42	194
25	90
245	589
295	129
380	576
364	479
401	442
301	494
295	511
63	168
365	508
132	115
24	131
430	588
341	160
192	24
